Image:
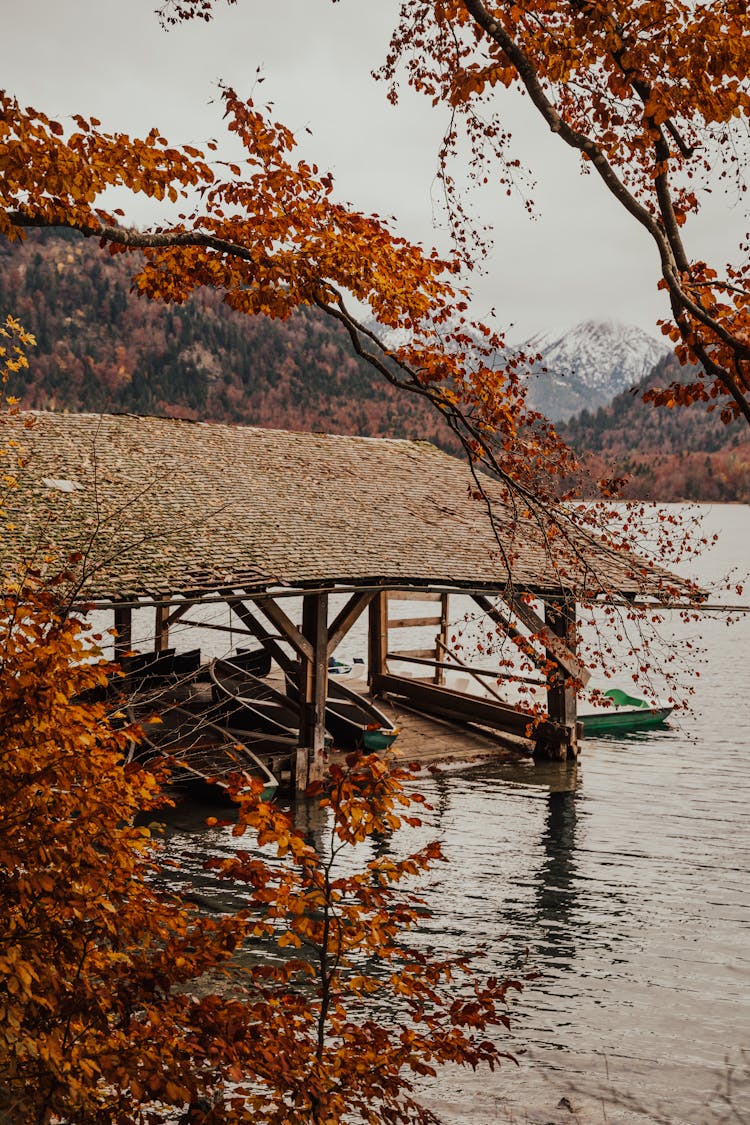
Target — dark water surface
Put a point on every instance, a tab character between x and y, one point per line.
624	881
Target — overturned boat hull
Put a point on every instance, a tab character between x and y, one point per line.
253	704
201	752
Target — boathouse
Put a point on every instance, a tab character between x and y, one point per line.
168	514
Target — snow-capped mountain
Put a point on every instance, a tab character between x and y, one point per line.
588	365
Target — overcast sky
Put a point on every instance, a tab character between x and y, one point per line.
581	258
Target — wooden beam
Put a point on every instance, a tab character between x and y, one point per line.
412	622
555	645
161	628
259	631
409	652
235	630
289	632
313	687
123	630
346	617
176	614
377	636
449	666
413	596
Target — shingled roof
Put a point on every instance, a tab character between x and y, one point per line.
168	507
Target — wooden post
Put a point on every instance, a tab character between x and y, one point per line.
123	630
313	690
377	638
161	628
441	641
560	617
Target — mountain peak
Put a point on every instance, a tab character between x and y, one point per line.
587	365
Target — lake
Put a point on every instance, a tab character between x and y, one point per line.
623	879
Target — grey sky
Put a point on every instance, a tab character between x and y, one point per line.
581	258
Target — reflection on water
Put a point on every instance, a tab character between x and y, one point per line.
622	881
556	896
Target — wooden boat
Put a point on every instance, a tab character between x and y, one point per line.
148	665
255	660
353	721
251	703
144	667
204	751
627	714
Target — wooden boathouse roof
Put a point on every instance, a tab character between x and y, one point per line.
168	507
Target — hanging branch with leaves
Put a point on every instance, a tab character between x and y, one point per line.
655	97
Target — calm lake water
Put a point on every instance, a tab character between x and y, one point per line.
624	881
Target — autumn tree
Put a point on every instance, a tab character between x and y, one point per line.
99	1017
655	99
92	956
105	1011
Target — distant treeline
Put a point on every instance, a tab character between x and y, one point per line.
686	453
101	347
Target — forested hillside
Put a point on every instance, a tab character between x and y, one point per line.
101	347
668	454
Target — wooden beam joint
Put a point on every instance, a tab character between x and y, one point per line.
346	617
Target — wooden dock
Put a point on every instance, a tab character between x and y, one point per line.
392	527
430	740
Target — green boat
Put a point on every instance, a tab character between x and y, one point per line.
628	714
379	739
